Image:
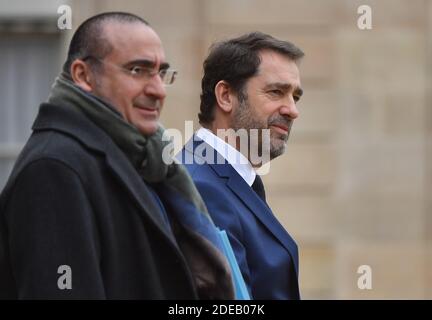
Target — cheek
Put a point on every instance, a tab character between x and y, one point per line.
264	109
126	95
272	109
264	115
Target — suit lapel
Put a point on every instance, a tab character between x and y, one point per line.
262	211
249	198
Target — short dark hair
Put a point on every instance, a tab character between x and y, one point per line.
89	39
235	61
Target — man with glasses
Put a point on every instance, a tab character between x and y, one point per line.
90	209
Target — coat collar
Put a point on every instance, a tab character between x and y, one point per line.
245	193
76	125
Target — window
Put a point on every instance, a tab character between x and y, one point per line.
29	65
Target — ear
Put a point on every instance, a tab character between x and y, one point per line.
224	96
82	75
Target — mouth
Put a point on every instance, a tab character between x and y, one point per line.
147	111
280	128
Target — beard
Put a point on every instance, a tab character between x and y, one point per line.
245	117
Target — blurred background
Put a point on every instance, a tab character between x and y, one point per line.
354	186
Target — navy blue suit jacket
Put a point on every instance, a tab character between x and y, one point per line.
266	253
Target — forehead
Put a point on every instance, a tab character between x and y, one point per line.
277	68
133	41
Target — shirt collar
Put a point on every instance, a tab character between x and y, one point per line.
236	159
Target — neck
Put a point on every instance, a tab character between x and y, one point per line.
238	139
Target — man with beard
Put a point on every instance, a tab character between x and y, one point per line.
250	83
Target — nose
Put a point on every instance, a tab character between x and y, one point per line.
289	109
155	88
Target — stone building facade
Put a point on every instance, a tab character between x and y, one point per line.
353	187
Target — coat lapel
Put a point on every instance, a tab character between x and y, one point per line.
128	176
81	128
249	198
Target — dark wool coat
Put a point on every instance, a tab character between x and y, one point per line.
74	199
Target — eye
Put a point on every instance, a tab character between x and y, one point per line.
163	72
276	92
296	98
136	70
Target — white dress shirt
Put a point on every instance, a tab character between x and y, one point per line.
234	157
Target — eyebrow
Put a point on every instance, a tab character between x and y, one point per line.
148	64
285	87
